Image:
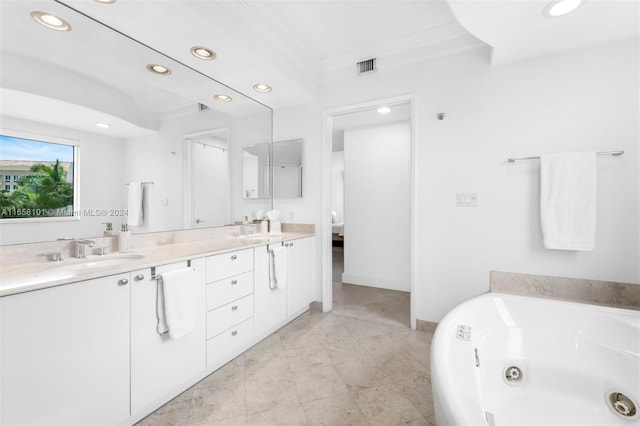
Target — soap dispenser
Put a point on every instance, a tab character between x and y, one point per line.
108	232
124	239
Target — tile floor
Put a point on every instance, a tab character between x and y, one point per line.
357	365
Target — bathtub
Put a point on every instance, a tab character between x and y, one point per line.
500	359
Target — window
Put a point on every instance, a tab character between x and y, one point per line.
44	178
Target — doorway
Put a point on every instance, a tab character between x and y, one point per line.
378	209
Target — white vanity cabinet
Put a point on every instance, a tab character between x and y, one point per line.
229	305
300	261
65	354
271	303
160	366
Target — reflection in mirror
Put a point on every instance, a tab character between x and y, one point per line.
209	190
287	169
62	84
255	170
38	179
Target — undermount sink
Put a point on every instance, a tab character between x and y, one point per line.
100	262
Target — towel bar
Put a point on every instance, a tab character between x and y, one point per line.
159	277
614	153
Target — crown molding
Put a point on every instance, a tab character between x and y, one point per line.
446	40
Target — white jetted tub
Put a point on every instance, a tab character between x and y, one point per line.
500	359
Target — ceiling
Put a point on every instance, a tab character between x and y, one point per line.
299	46
518	29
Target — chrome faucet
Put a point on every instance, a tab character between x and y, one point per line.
80	247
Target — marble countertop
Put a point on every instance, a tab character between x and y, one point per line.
20	278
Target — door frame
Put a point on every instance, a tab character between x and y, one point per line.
188	172
325	240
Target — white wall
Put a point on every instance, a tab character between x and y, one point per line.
100	179
377	206
580	100
337	183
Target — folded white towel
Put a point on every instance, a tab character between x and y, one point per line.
277	266
568	184
179	301
134	204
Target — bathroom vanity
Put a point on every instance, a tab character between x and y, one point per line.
79	344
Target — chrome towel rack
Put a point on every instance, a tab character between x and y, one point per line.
614	153
159	277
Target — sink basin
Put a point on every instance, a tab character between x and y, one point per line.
100	262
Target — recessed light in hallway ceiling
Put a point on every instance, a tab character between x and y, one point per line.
262	88
384	110
103	125
106	1
51	21
202	52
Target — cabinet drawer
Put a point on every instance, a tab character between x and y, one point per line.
229	264
228	343
229	289
229	315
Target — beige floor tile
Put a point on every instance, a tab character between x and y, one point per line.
233	371
261	364
356	365
334	410
366	328
385	405
218	402
264	392
362	374
279	415
319	383
418	391
346	350
402	366
271	343
307	358
170	418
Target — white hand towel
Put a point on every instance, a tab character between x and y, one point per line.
134	204
180	301
568	184
277	267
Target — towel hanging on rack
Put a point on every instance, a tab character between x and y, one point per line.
568	200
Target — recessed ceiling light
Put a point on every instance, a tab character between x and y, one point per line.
158	69
202	52
103	125
106	1
384	110
561	7
222	98
262	88
51	21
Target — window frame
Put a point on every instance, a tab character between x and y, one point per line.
74	216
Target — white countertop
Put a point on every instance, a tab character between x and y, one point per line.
25	277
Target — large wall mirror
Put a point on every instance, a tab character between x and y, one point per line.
256	166
287	169
135	115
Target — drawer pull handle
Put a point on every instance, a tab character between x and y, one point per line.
139	277
123	281
234	257
234	282
234	332
234	308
